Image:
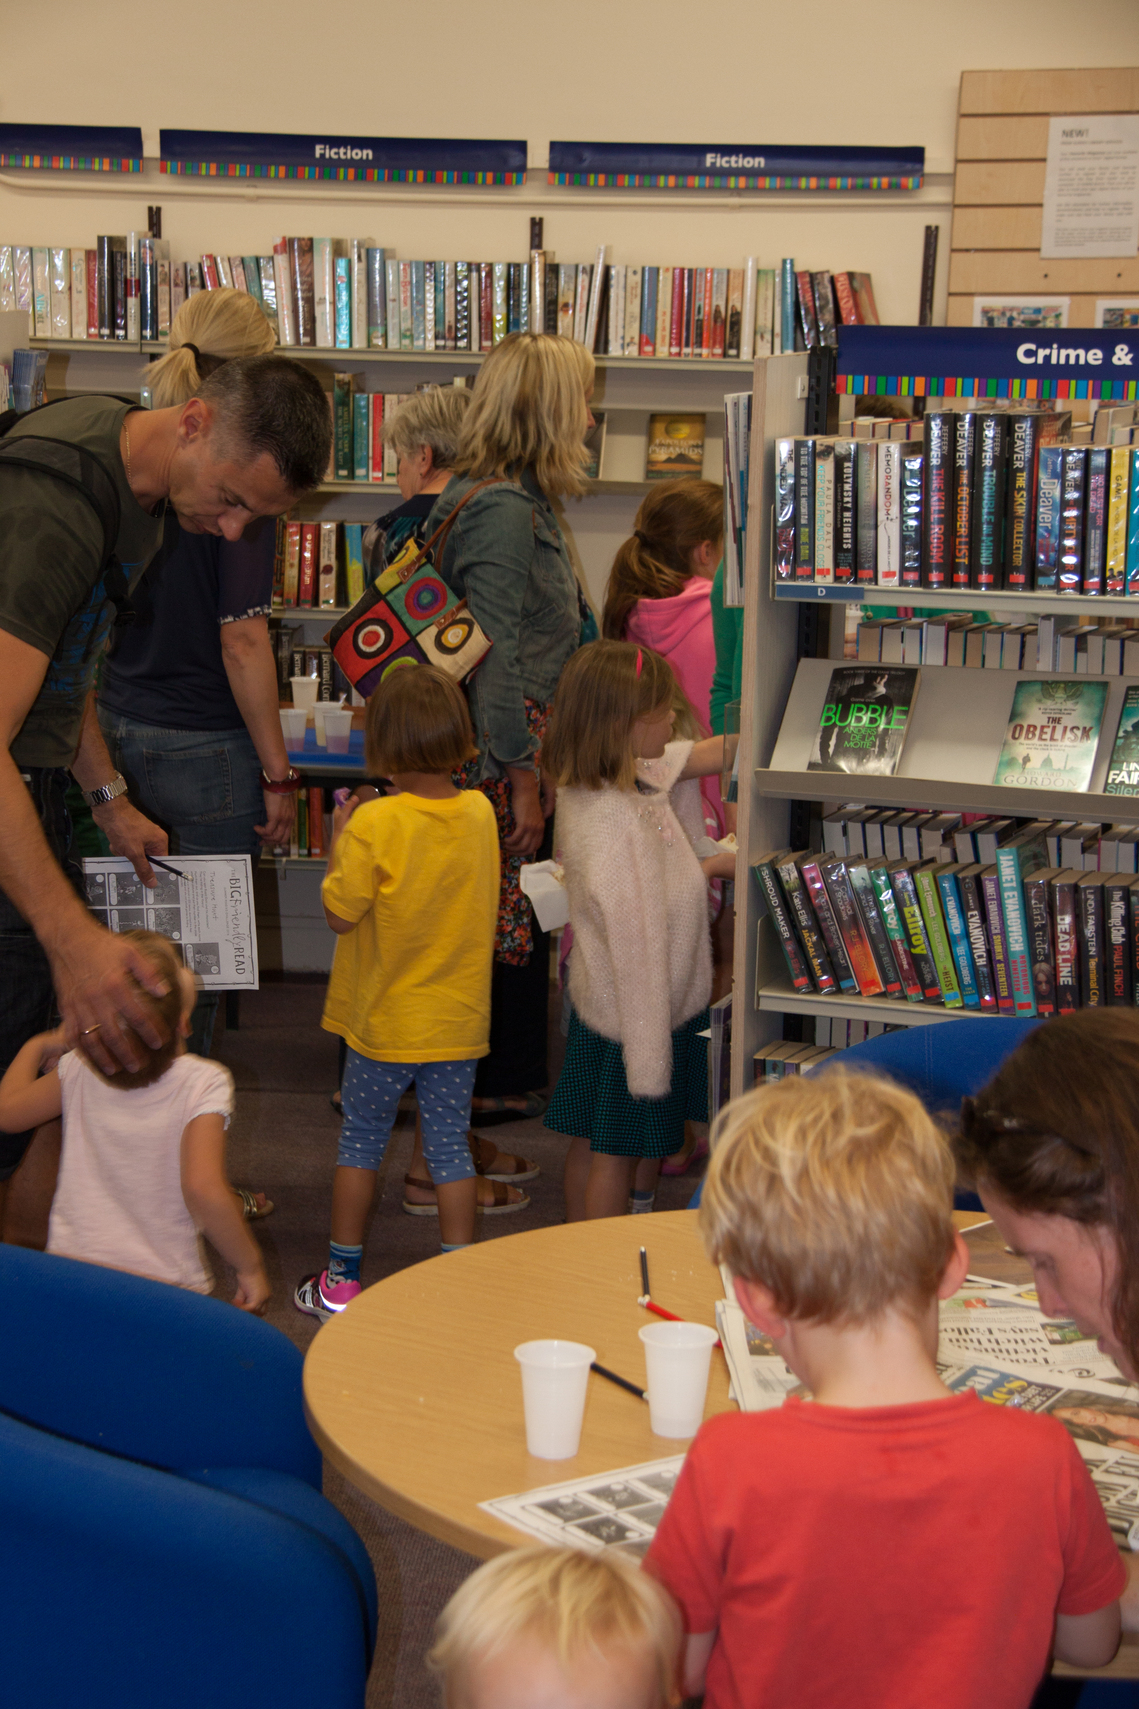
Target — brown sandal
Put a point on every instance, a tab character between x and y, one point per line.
496	1168
502	1204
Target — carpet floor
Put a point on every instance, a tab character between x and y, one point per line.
283	1142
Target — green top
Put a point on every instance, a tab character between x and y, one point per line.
728	633
51	591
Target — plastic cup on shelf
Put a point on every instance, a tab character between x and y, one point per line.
304	692
555	1375
318	712
293	727
337	728
677	1360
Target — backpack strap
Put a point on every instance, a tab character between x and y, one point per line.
87	474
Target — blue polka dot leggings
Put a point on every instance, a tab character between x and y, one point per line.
371	1093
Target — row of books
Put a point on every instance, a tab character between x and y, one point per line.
1049	643
350	293
1016	936
776	1061
318	564
988	501
358	417
121	289
312	827
855	832
22	381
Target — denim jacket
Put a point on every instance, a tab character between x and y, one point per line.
506	557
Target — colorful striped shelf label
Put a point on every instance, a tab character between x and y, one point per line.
361	160
719	166
71	148
998	362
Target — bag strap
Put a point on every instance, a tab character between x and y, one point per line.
444	528
87	474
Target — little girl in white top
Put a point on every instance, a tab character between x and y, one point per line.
142	1169
640	971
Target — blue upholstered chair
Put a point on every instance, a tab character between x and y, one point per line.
178	1384
942	1063
130	1586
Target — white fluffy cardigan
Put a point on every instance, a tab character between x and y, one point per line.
641	963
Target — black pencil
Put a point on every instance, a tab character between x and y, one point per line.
154	861
622	1382
644	1273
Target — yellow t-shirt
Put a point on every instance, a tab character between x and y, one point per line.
412	982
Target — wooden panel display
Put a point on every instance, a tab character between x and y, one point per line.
1002	146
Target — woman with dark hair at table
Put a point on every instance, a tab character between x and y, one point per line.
1052	1146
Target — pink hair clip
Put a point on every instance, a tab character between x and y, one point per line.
640	660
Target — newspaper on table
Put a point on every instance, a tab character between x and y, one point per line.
204	903
612	1510
994	1338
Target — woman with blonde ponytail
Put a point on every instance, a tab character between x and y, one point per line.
188	698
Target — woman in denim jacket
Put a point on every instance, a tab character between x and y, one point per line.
506	557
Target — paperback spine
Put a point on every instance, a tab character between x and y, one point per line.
1041	956
1016	931
867	902
958	938
978	944
964	452
781	919
1117	936
809	934
858	947
1066	941
899	948
938	510
909	907
926	884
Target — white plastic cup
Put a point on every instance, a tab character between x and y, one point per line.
677	1359
304	692
554	1379
293	726
318	713
337	728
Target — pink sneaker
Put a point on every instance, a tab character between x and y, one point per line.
319	1297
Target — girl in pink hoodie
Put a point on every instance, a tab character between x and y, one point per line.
659	595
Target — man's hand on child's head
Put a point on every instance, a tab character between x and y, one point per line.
253	1290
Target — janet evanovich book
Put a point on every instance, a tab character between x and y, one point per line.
864	719
1052	733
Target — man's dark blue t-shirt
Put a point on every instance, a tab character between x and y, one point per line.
166	668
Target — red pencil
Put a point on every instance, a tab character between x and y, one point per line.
651	1305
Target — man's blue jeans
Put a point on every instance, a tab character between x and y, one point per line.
203	787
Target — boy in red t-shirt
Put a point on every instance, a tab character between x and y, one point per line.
887	1544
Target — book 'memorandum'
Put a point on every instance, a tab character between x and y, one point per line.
1052	733
864	720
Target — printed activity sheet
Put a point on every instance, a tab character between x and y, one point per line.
612	1510
204	903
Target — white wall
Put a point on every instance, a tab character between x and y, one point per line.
743	71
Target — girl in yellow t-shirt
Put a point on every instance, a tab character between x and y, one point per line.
412	894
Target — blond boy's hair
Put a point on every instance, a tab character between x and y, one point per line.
835	1192
604	689
563	1599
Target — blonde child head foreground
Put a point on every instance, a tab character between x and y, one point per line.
833	1192
559	1628
170	1014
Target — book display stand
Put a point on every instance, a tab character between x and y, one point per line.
952	744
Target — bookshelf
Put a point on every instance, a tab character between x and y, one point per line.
949	758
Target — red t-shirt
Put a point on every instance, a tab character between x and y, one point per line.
891	1557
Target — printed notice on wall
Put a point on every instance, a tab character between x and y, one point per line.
1091	186
203	903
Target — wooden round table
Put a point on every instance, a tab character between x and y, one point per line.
414	1392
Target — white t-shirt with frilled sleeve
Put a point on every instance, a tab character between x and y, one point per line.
119	1198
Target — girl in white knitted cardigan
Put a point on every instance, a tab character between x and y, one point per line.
640	971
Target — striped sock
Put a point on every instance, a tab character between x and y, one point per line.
344	1262
460	1246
